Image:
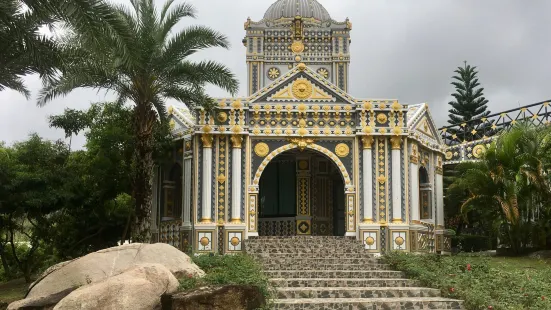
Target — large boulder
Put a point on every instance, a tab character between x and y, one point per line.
39	303
229	297
106	263
138	288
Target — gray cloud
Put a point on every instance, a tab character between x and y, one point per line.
400	49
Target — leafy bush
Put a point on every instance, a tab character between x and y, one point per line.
228	269
502	283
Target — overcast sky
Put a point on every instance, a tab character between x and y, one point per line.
402	49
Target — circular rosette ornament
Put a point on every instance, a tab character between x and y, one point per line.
262	149
479	150
342	150
302	89
273	73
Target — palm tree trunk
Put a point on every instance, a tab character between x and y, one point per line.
144	120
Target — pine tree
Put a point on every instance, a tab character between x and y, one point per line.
469	101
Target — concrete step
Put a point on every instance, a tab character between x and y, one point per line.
364	255
412	303
327	274
299	261
344	282
355	292
343	267
306	250
312	238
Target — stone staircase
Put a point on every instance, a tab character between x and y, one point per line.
337	273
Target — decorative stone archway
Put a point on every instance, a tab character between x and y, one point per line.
304	218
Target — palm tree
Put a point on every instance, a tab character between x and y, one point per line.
511	178
150	67
25	50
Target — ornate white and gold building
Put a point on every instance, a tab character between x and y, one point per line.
299	155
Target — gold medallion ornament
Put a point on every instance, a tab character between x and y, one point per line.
261	149
302	88
342	150
204	241
369	241
449	155
381	118
479	150
234	241
297	47
399	241
323	72
273	73
303	165
222	117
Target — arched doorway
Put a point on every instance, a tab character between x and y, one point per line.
299	185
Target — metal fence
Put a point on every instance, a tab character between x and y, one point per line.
483	128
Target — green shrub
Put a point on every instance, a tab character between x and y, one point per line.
503	283
228	269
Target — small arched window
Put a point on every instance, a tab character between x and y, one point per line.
172	193
423	176
424	194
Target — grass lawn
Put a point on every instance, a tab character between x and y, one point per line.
483	282
12	291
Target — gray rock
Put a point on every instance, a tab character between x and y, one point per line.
106	263
139	288
229	297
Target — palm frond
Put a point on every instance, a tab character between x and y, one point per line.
169	19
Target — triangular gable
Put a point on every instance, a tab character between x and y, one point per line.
423	123
424	127
301	84
179	119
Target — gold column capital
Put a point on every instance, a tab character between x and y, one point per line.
396	141
367	141
237	141
207	140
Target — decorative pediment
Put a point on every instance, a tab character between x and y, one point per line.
301	89
180	120
301	84
424	126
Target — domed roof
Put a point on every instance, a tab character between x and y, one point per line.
292	8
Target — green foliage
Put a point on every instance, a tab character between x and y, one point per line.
25	50
228	269
510	283
145	63
66	204
509	188
469	100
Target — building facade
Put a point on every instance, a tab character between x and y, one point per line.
299	155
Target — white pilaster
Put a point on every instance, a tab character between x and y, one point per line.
439	200
396	182
414	173
206	199
367	172
187	193
236	185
